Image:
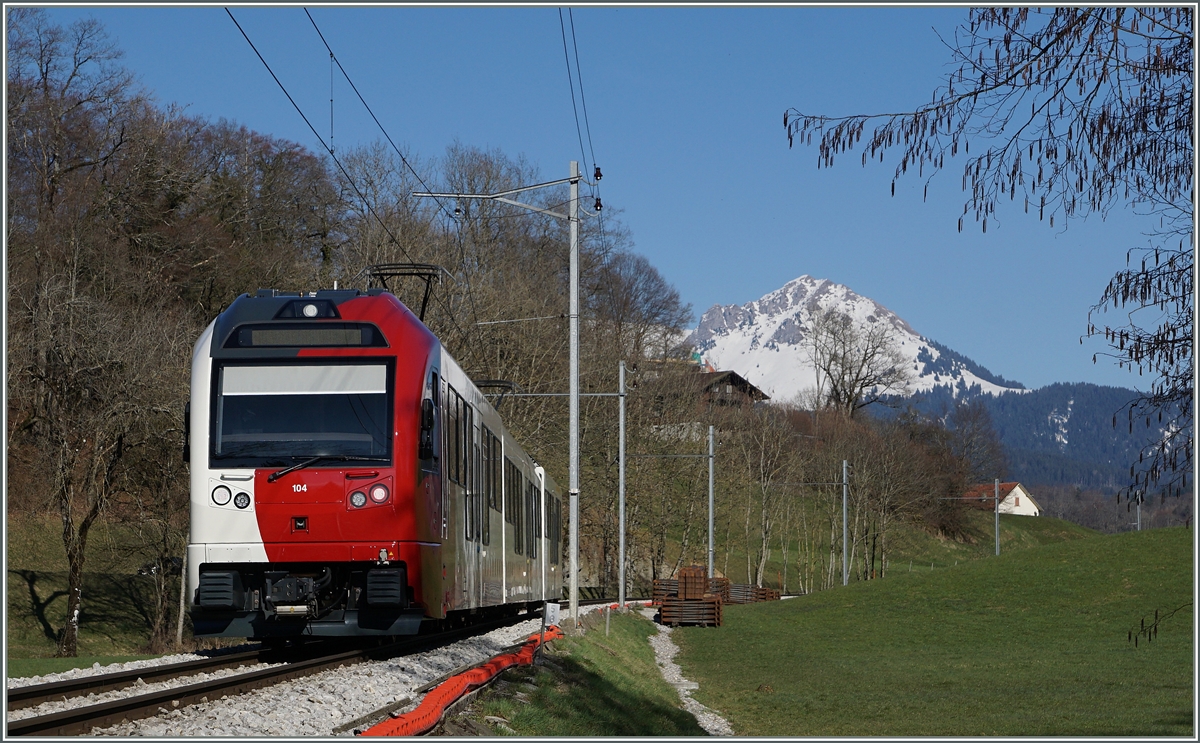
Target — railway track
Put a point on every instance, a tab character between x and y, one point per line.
83	719
314	659
35	694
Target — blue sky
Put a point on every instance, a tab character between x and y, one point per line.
685	107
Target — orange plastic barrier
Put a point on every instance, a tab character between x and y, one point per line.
430	710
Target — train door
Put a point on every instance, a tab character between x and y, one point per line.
502	486
540	473
531	542
467	565
449	455
490	570
430	456
478	514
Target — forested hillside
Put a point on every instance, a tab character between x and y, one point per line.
1061	434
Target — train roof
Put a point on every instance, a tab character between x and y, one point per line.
324	309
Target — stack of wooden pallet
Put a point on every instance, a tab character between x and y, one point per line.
743	594
663	587
719	586
705	611
692	602
693	583
766	594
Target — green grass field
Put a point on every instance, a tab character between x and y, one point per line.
1031	643
115	624
914	545
593	685
908	544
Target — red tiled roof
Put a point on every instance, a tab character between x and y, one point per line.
982	496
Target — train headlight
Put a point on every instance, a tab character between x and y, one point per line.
379	493
310	310
221	495
241	500
358	499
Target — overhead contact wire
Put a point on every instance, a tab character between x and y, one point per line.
407	164
387	136
349	180
595	187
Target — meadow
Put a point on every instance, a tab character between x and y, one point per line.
1034	642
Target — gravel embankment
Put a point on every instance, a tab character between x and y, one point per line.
311	706
664	652
317	705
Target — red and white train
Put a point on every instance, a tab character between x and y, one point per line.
348	479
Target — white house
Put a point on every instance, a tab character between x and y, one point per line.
1014	498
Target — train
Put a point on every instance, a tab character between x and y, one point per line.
349	480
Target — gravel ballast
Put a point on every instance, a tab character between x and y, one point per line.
311	706
325	703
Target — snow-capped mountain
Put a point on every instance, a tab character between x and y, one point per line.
765	341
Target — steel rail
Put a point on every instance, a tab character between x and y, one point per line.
35	694
84	719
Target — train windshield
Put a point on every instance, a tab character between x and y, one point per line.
272	415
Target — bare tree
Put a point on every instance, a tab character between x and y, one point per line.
856	366
974	440
1078	110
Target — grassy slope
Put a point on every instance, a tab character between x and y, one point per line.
592	685
1031	643
909	543
113	621
915	545
114	624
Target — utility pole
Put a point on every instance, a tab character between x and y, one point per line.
845	500
621	482
710	502
997	517
573	220
572	217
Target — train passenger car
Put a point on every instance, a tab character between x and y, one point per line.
348	479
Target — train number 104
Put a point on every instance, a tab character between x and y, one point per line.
300	488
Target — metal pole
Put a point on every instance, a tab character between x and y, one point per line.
183	573
573	219
845	550
997	517
621	482
1139	513
710	502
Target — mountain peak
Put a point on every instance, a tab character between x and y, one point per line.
765	340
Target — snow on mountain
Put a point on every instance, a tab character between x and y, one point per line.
765	341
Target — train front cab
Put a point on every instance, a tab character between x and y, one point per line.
311	511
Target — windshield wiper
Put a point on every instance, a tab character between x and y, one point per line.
313	460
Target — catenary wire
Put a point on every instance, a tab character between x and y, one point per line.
594	186
349	180
458	232
571	83
407	164
343	170
362	100
579	74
